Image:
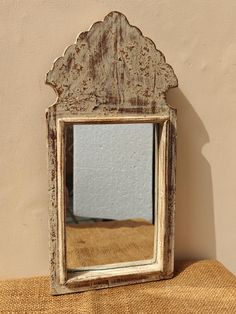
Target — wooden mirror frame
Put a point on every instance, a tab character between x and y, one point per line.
112	74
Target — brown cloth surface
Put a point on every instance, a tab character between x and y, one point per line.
109	242
198	287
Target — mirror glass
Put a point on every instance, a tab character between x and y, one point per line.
109	180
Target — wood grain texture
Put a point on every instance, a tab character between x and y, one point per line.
112	74
112	67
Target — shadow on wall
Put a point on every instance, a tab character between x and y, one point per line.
195	226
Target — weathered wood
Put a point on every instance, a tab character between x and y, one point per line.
112	74
112	67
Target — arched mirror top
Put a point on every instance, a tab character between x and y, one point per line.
112	69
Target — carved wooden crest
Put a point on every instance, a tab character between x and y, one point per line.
112	67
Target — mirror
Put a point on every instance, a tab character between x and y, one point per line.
109	194
111	161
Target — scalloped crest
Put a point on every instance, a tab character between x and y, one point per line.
112	67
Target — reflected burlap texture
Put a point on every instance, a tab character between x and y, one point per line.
108	242
198	287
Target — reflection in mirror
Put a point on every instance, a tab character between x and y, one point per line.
109	199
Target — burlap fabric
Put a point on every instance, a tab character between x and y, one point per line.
109	242
198	287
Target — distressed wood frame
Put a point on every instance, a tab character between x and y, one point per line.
113	74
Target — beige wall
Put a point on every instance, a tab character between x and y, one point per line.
198	38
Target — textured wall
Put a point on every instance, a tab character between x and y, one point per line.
198	38
113	171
